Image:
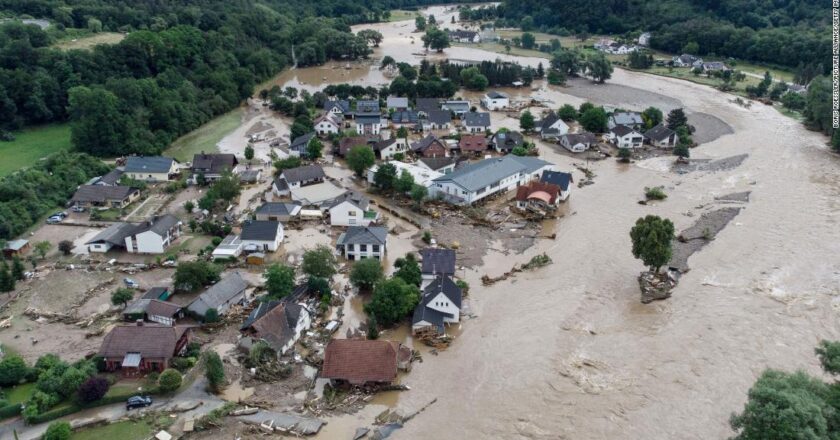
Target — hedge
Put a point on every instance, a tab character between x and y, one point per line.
76	407
10	410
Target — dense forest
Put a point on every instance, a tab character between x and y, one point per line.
181	64
783	32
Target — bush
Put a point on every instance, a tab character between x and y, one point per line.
12	370
182	364
211	316
58	431
655	193
427	237
214	370
216	241
93	389
10	411
170	380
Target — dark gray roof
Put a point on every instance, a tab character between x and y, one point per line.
152	164
445	285
507	140
426	142
112	177
383	144
405	117
489	171
558	178
342	104
432	316
396	102
278	208
438	261
368	118
659	133
440	116
303	174
456	106
102	193
495	95
427	104
301	142
213	163
159	225
549	120
367	106
353	197
219	293
114	234
627	118
621	130
364	235
261	230
436	163
583	138
477	119
463	34
155	292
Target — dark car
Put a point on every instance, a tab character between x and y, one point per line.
137	402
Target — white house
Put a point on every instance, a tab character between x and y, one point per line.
152	237
440	305
495	100
464	36
340	108
230	247
295	178
368	123
476	122
151	169
351	209
261	235
360	242
577	142
438	120
552	127
422	176
626	137
387	148
561	179
328	123
492	176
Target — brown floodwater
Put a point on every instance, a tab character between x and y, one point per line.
567	351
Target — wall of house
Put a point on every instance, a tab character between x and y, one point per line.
356	251
368	128
442	304
148	243
264	245
435	150
149	177
325	127
347	214
99	247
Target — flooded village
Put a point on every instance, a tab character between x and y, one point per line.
527	320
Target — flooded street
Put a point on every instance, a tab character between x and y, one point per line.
567	351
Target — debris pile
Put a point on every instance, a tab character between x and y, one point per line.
536	262
655	286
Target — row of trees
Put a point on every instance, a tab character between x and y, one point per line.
570	63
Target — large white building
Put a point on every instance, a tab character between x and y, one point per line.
495	100
492	176
151	237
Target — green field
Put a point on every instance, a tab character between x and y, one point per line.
401	15
121	430
20	393
204	138
31	144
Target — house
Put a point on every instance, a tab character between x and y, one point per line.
15	247
506	141
367	106
111	179
351	209
422	175
430	146
644	39
261	235
360	242
250	176
212	166
90	196
577	142
327	124
142	348
464	36
476	122
436	262
278	323
405	118
661	136
425	105
443	165
561	180
161	293
628	119
686	60
396	103
345	144
298	177
300	145
538	197
151	169
626	137
368	123
438	120
153	310
604	44
714	66
226	292
277	211
151	237
230	247
340	108
457	108
360	362
387	148
440	304
495	100
552	127
474	145
488	177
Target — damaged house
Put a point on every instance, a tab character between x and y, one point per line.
142	348
228	291
277	323
363	362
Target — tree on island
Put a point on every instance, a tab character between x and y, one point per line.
436	39
652	237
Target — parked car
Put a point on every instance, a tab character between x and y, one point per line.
60	214
137	402
54	219
77	208
130	283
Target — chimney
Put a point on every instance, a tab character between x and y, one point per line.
139	323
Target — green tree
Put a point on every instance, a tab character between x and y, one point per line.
567	112
691	48
526	121
392	300
249	152
420	23
473	79
681	150
408	269
211	316
594	119
169	380
226	187
371	36
366	273
98	126
794	101
279	280
360	158
192	275
385	177
677	118
65	247
18	271
13	370
319	262
214	371
599	67
652	117
122	296
829	354
652	237
314	149
7	281
42	247
418	194
528	40
436	39
519	151
189	206
287	163
404	183
387	60
402	132
58	430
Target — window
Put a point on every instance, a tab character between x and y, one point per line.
363	248
375	248
351	213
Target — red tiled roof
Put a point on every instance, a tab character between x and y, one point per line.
359	361
473	143
525	192
345	144
153	341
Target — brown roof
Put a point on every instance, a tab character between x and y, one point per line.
345	144
151	341
473	143
533	190
277	326
162	308
359	361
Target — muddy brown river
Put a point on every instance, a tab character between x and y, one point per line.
567	351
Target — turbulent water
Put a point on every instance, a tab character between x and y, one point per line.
568	351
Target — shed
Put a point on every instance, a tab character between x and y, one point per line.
16	247
255	259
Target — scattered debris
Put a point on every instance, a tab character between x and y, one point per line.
655	286
535	263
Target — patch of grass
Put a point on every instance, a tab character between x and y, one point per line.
204	138
85	40
790	113
31	144
401	15
108	215
126	430
20	393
